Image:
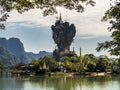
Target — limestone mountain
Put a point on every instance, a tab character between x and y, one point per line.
16	47
7	58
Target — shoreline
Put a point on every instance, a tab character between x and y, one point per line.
68	74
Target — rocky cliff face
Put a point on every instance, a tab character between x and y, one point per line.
63	36
15	47
7	58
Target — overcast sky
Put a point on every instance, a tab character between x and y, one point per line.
34	30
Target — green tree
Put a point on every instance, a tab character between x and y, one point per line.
35	64
2	65
88	58
71	63
45	62
103	64
65	58
50	62
91	62
74	59
86	62
112	46
91	67
48	6
68	65
116	66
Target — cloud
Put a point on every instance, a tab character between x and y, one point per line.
34	30
86	23
33	17
85	36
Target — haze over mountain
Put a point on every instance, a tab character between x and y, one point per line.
15	47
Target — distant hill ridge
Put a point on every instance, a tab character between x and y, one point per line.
15	47
39	55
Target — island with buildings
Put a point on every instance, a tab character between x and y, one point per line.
64	61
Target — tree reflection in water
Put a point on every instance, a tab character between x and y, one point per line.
60	83
77	83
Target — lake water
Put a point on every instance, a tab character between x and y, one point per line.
60	83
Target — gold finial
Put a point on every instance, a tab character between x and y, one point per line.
60	18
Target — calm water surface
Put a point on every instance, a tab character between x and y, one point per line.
60	83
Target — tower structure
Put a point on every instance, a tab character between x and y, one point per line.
63	34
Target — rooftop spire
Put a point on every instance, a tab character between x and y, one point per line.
60	18
73	51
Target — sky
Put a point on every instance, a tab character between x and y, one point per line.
35	32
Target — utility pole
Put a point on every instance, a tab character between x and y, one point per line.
80	56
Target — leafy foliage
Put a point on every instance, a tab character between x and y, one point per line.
2	65
48	6
102	63
91	67
113	46
116	66
49	61
89	63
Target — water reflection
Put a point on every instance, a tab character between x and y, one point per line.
60	83
8	83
